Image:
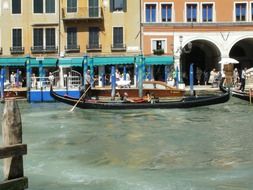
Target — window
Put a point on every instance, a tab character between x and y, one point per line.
207	12
191	13
94	37
38	38
71	38
251	11
16	6
71	6
150	12
38	6
50	38
166	12
50	6
158	44
17	38
118	37
240	11
118	5
93	8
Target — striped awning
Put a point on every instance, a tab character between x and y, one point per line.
46	62
159	60
71	62
13	61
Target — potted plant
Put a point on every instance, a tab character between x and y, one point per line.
158	51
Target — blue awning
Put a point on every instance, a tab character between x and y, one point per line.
159	60
99	61
13	61
46	62
71	62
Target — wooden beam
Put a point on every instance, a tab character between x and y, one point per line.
15	184
13	150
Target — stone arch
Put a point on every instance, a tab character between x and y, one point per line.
205	54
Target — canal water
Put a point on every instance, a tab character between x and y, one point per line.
206	148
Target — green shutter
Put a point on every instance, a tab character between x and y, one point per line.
111	5
125	5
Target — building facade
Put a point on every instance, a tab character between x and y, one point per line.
199	32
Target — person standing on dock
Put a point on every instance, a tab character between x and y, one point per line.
12	79
243	78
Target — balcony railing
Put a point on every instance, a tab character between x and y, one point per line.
72	49
118	47
94	47
82	13
17	50
41	49
1	50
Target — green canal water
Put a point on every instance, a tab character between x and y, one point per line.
205	148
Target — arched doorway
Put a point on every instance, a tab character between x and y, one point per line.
242	52
204	55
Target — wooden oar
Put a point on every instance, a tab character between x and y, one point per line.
72	109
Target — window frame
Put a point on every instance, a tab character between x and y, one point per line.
12	32
44	37
197	12
21	7
156	13
98	35
44	8
72	7
76	40
172	11
158	39
123	9
113	32
213	14
246	9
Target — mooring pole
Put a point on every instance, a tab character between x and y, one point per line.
12	134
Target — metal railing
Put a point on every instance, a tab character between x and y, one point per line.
17	50
72	48
82	13
72	80
94	47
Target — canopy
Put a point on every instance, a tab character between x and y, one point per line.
228	60
99	61
159	60
46	62
17	61
70	62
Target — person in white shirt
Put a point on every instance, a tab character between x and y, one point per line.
243	78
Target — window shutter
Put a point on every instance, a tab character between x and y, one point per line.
125	5
111	5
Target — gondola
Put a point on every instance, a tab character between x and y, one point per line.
185	102
241	95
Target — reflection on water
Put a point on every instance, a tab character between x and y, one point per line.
203	148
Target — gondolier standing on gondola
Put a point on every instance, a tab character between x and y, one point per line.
86	85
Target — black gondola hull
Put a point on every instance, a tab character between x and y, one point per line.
187	102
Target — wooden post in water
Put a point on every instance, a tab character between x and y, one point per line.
12	134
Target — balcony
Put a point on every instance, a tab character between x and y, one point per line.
94	47
1	50
82	13
41	49
17	50
118	47
72	49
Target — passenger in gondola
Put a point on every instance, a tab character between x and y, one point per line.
126	98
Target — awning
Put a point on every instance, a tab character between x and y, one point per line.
46	62
71	62
99	61
12	61
159	60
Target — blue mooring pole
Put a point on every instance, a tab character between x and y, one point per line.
2	84
191	74
113	82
